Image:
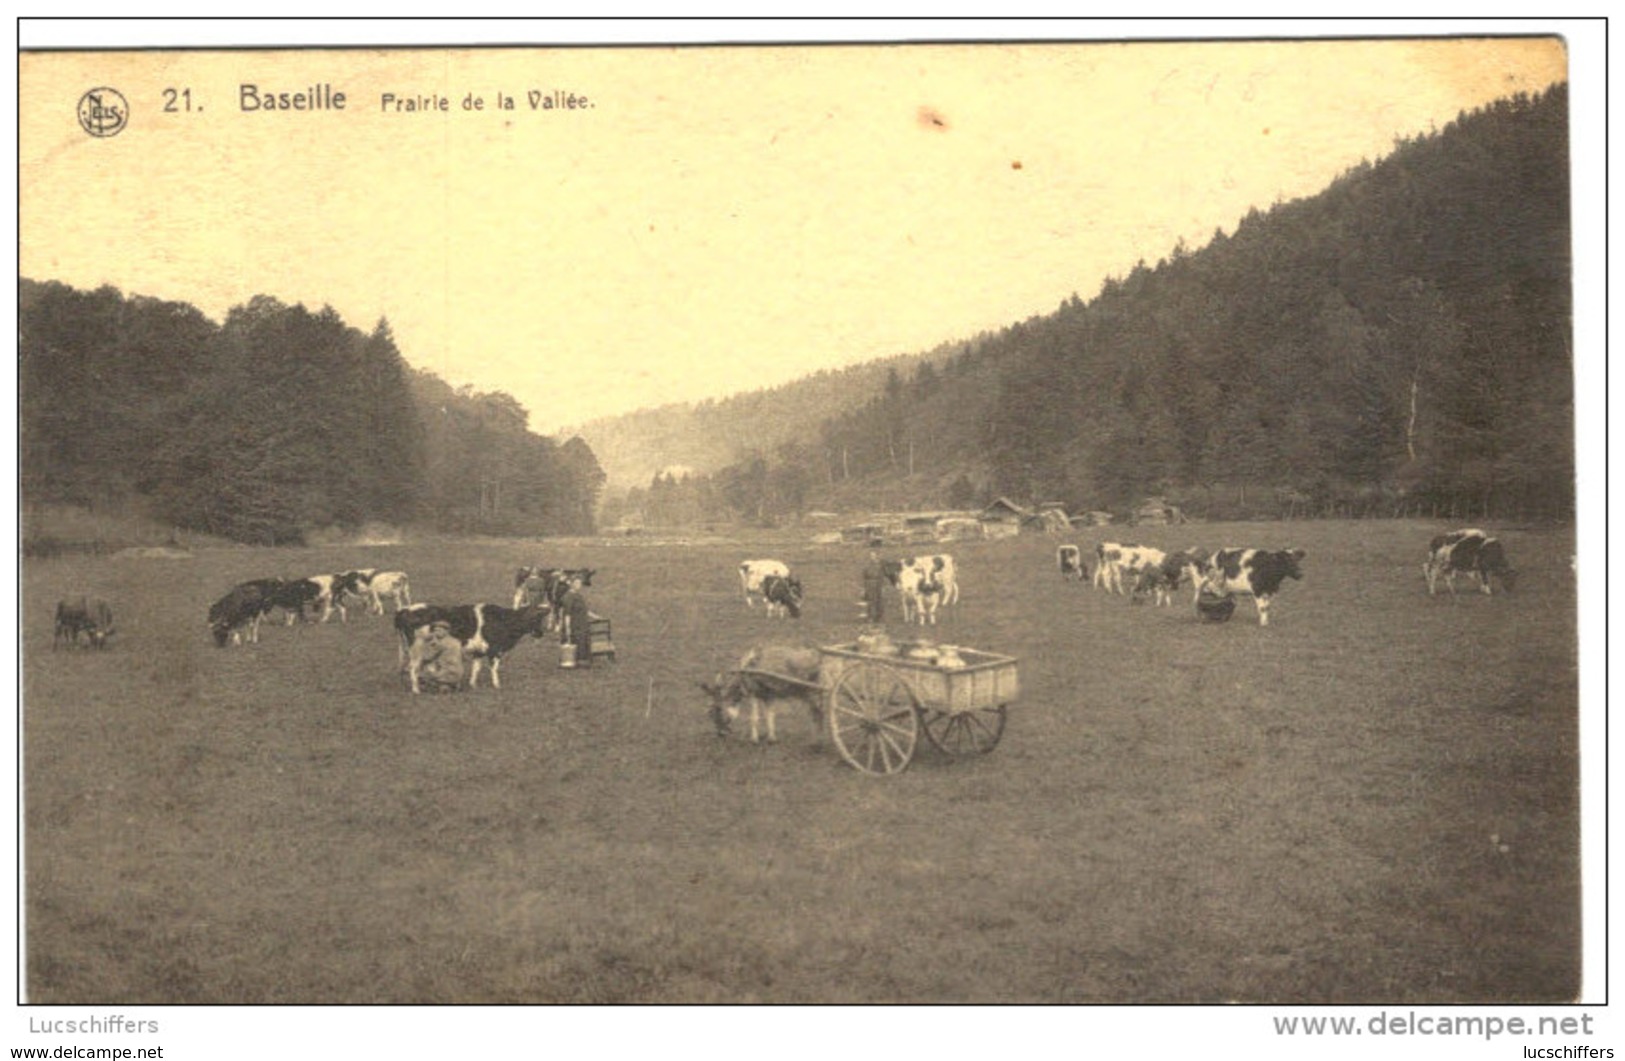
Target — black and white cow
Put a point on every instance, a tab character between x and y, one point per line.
1255	573
753	572
244	605
1471	551
323	592
487	632
924	583
294	595
1070	561
753	681
91	616
783	595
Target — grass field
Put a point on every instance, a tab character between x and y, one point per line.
1374	799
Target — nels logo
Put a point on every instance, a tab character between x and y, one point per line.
103	112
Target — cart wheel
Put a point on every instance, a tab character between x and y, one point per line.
873	719
966	732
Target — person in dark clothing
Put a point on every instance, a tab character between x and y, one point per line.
576	628
874	580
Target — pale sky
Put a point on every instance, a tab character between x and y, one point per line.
718	219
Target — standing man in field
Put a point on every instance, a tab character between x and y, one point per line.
576	627
874	580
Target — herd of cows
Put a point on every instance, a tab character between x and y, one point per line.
769	675
486	632
1139	571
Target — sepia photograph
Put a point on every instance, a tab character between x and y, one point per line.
811	517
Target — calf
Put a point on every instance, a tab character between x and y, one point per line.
244	605
487	632
1071	562
1471	551
753	572
90	616
754	680
1256	573
783	596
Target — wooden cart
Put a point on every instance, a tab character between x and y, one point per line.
877	705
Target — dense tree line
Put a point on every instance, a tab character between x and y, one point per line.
277	422
1399	343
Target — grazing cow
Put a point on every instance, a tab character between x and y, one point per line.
1071	562
783	595
924	582
90	616
1256	573
753	680
751	574
487	632
244	605
1471	551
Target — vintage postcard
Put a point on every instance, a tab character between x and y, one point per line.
1065	521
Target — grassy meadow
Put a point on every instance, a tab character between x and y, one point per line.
1374	799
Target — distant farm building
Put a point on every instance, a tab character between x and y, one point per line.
921	528
1096	518
863	534
1156	512
1003	518
1051	519
961	529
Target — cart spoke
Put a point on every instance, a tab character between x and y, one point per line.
887	741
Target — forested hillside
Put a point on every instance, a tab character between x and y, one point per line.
1398	343
707	435
274	424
